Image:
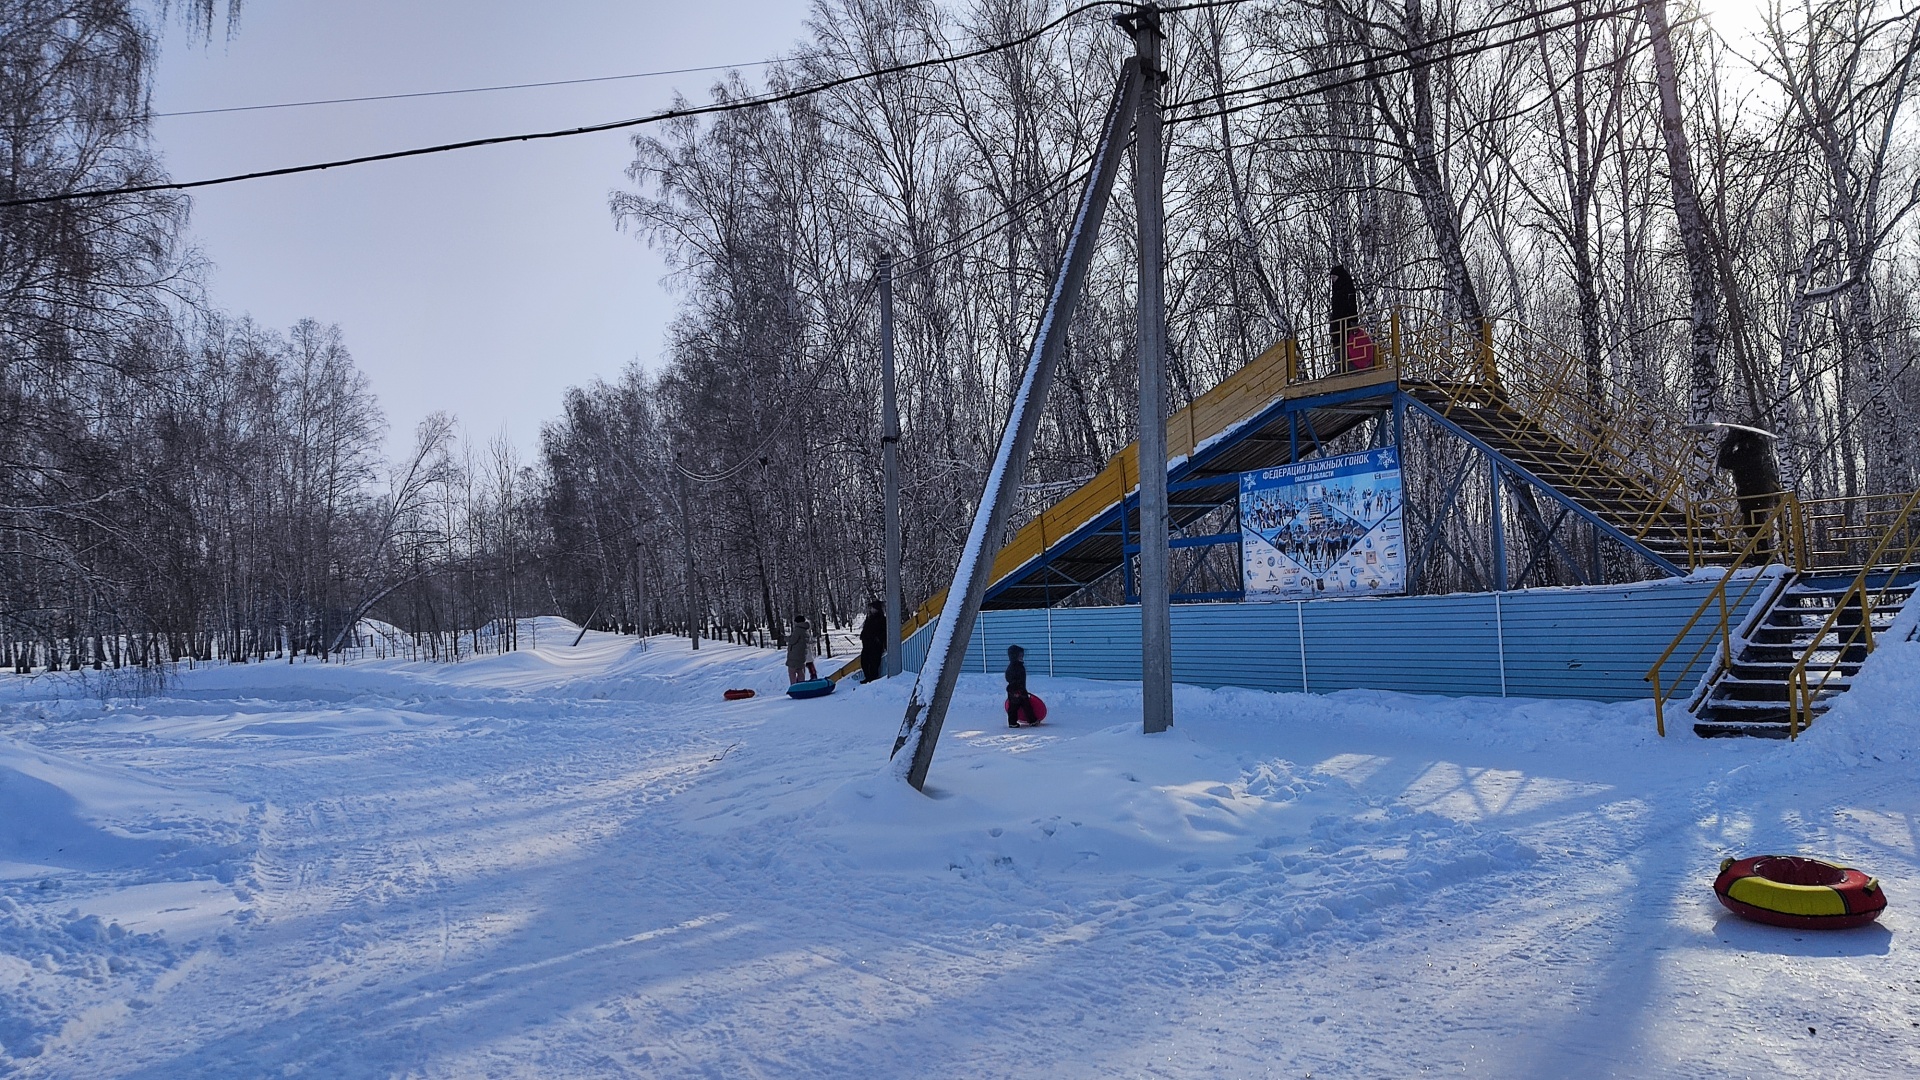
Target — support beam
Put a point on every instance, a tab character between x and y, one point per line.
890	469
1498	510
1661	562
1436	523
946	652
686	537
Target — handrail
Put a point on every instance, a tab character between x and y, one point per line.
1780	522
1801	691
1622	443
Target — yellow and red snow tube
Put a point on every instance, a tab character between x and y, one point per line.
1798	892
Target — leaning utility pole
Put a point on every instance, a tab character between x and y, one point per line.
1150	327
946	653
686	539
890	467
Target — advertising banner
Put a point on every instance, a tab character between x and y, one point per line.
1326	527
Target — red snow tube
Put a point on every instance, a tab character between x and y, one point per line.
1039	707
737	695
1798	892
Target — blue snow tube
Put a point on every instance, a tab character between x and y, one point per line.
811	689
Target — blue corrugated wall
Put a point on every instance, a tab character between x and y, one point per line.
1594	643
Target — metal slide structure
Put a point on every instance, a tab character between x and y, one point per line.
1618	463
1621	461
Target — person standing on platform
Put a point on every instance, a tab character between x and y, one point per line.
873	641
1747	455
1019	705
1343	316
800	652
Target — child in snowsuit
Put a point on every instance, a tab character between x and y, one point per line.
800	652
1019	705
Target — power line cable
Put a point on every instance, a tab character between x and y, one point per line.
532	85
1445	39
808	91
995	225
1371	75
818	88
615	125
471	89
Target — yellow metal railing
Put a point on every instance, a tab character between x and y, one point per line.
1899	543
1620	444
1782	526
1841	533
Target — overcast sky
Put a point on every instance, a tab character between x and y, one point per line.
482	282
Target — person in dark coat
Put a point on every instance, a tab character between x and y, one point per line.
1019	705
1344	313
873	641
1747	455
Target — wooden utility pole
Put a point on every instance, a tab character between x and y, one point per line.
890	467
1156	616
686	537
946	652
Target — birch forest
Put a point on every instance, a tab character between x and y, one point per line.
1723	222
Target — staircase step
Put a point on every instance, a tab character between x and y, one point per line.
1803	635
1790	658
1742	707
1830	596
1741	692
1726	729
1762	670
1809	619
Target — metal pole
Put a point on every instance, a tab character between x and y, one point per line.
642	624
1156	617
686	537
1498	510
890	467
947	652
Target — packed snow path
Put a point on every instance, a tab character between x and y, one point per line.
581	862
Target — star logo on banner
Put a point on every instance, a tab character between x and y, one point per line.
1387	459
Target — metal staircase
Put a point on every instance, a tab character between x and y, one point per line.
1268	413
1621	458
1847	567
1622	498
1812	619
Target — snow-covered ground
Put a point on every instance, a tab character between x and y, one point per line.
582	862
